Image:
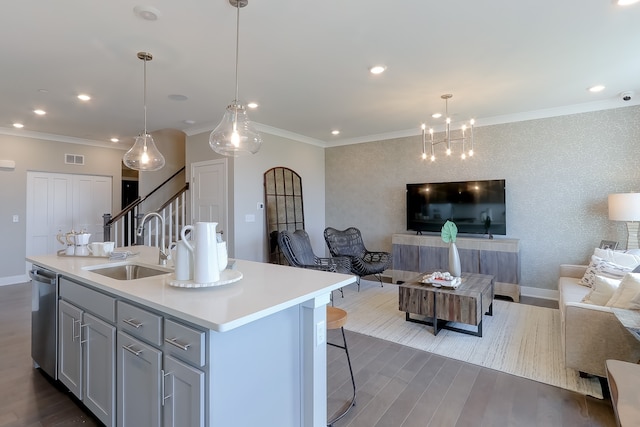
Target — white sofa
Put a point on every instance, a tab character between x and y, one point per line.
590	334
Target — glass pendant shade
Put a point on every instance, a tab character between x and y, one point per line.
235	135
144	155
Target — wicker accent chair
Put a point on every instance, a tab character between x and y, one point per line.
349	243
297	250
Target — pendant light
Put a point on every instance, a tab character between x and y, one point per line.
235	135
144	155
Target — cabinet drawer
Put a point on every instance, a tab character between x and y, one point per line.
140	323
89	299
184	342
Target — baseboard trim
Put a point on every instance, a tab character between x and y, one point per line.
13	280
549	294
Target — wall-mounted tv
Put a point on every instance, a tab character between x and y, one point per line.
477	207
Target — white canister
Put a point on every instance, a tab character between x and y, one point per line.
222	256
182	260
205	252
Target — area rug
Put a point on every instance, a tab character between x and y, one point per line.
519	339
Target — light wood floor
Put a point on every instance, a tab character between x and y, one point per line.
397	386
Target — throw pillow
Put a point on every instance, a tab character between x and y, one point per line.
625	259
603	290
628	293
601	267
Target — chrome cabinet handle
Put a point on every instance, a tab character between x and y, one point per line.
174	342
79	336
81	340
131	350
162	385
133	322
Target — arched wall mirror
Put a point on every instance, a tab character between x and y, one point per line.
284	207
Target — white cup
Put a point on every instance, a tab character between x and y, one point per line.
108	247
96	248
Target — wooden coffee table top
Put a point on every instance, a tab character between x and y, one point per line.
471	283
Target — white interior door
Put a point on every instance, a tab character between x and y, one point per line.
209	193
58	203
49	210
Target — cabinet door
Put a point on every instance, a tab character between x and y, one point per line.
98	339
138	384
183	394
69	348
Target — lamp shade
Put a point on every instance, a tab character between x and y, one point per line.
624	207
144	155
235	135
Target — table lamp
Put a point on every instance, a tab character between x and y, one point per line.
626	207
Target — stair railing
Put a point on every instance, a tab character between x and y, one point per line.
121	228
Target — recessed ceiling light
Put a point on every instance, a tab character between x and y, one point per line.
40	112
176	97
148	13
252	105
377	69
84	97
114	140
335	132
625	2
436	115
18	125
189	122
596	88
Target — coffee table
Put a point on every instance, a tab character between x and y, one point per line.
466	304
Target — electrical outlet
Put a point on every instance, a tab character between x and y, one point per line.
16	218
260	205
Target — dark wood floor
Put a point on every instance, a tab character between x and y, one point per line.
397	386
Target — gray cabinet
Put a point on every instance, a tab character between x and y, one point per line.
139	383
86	355
183	397
159	383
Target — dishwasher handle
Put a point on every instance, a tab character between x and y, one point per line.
41	276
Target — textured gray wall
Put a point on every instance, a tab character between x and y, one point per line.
558	172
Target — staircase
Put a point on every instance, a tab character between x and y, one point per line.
122	227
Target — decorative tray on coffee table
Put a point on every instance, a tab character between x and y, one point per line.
438	279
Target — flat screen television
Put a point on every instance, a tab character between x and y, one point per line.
476	207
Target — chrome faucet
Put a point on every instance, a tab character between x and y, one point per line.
162	255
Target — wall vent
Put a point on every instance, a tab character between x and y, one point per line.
74	159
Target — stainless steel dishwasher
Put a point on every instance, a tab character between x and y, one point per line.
44	320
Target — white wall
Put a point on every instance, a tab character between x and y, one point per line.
32	154
249	239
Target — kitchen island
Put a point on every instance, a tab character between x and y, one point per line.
253	351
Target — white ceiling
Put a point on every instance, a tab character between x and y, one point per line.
306	63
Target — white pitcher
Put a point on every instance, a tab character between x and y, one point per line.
205	252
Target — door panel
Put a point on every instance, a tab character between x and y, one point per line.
209	193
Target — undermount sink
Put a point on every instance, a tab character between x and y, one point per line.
129	271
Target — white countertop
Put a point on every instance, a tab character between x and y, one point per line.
264	289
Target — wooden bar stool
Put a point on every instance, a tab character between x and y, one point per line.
336	318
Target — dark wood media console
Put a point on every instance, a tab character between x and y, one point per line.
500	258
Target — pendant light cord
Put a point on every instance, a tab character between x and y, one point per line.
237	46
144	96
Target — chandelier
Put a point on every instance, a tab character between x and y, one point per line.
463	137
235	135
144	155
